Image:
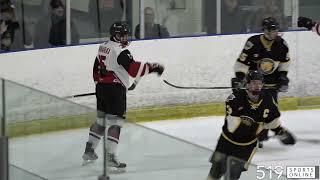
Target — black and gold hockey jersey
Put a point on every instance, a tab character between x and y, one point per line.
269	57
245	119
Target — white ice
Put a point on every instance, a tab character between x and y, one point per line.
152	155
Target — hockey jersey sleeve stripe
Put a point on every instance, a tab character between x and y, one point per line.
233	123
273	124
130	65
138	69
284	66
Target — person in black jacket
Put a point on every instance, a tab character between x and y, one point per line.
151	30
50	30
13	36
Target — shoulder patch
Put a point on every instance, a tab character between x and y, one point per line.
248	45
230	97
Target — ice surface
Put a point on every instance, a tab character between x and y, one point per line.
153	155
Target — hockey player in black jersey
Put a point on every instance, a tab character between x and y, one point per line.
248	112
269	54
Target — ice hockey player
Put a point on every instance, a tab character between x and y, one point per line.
269	54
112	67
309	24
248	112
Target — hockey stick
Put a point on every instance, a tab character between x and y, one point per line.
306	140
79	95
193	87
196	87
134	84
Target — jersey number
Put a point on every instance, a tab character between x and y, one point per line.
243	56
266	113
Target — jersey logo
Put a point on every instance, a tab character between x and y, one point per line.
248	45
266	66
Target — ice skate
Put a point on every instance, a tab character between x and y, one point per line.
114	166
89	155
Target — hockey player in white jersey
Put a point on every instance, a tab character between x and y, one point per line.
112	67
309	24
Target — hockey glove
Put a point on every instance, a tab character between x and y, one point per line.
156	68
305	22
283	84
237	83
285	136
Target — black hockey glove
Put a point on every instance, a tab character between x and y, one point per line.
285	136
156	68
305	22
283	84
238	82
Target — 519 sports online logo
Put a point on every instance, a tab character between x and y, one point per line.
288	172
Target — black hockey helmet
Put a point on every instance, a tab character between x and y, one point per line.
5	5
118	31
120	28
270	23
254	75
254	88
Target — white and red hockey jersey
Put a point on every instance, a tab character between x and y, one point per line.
114	64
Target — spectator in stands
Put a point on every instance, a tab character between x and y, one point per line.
232	18
50	30
105	13
13	36
210	17
271	8
151	29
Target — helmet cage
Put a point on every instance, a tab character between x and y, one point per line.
270	28
254	83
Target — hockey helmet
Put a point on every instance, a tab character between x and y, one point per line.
254	82
269	24
270	28
119	32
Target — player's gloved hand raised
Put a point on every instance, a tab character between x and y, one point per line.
305	22
156	68
286	137
237	83
283	84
